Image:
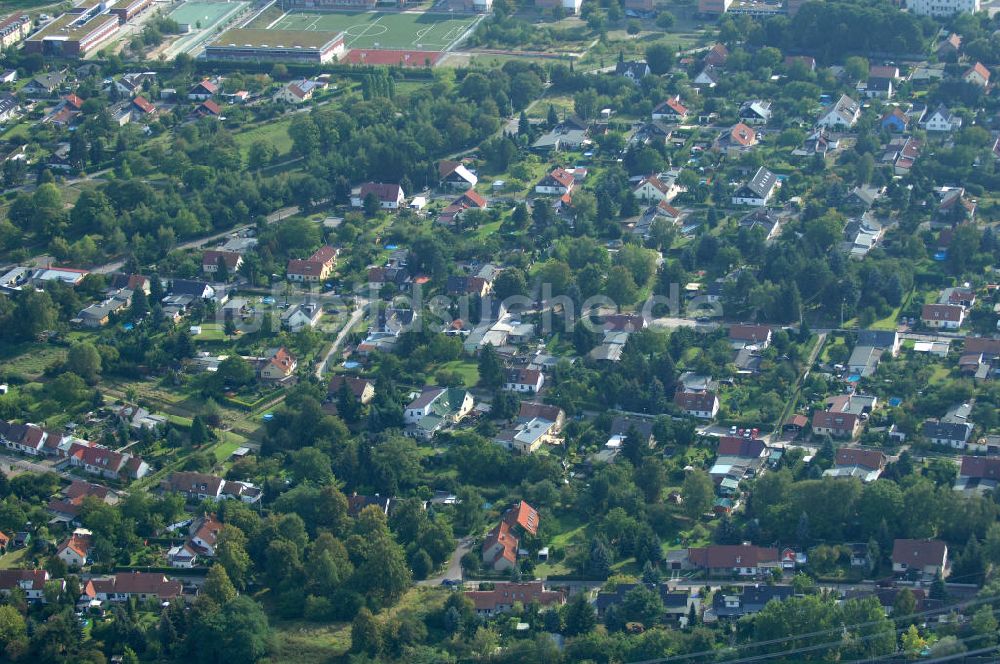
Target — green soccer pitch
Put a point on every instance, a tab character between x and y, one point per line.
404	31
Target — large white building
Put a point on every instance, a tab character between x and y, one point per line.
942	7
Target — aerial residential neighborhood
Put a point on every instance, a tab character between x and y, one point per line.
498	331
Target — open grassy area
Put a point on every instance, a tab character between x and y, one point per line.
210	332
468	370
30	359
13	559
275	133
308	643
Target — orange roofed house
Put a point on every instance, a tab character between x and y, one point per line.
504	595
278	364
317	267
500	548
75	550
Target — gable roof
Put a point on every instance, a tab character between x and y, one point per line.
524	516
191	482
210	106
753	333
697	401
211	258
143	105
762	182
732	555
281	358
984	345
744	448
854	456
506	594
355	385
717	55
206	86
562	176
979	69
383	191
501	534
957	431
980	468
948	312
919	552
672	103
531	410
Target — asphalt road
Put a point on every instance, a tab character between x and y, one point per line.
454	569
12	465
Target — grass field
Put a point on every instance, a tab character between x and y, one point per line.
275	133
206	14
424	31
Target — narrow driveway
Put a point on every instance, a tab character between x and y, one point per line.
344	331
454	568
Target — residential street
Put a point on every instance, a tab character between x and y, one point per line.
359	311
454	569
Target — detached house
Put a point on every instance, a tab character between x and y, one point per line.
318	267
389	196
895	121
362	388
758	191
977	75
634	71
654	190
756	112
454	175
835	424
978	474
558	182
500	548
203	91
742	336
841	115
301	316
670	110
943	119
925	558
211	259
703	405
75	550
736	140
943	316
528	381
202	486
734	560
436	408
866	465
953	434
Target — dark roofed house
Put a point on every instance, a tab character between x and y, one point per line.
390	196
703	404
758	190
978	474
924	557
750	600
632	70
621	425
676	603
952	434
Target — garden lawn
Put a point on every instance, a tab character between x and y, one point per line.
275	133
468	370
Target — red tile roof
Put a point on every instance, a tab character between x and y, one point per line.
834	420
742	135
474	199
984	345
735	555
506	594
143	105
211	107
853	456
948	312
979	69
525	516
745	448
980	468
502	535
74	101
562	176
749	332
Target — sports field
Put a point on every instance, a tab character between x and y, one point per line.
205	14
407	31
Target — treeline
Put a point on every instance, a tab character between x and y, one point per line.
830	31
